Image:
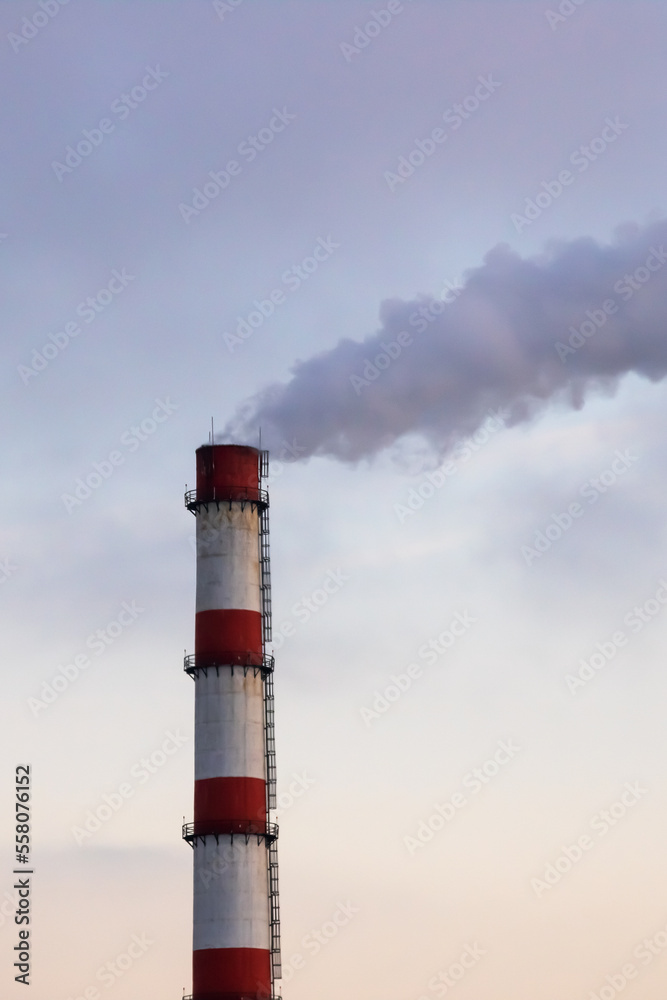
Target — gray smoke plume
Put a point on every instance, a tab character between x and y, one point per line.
518	334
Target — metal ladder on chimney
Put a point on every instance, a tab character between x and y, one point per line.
269	728
265	574
274	903
271	802
270	740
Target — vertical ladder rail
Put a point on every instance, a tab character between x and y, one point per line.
271	803
265	569
274	898
270	740
263	464
269	727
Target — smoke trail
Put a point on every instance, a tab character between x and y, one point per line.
519	334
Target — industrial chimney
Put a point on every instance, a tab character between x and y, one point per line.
236	937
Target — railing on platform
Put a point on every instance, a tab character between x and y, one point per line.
231	494
231	996
242	827
192	663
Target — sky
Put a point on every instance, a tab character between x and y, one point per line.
229	212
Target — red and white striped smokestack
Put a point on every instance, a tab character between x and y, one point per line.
236	940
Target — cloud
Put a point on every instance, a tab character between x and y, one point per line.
519	334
